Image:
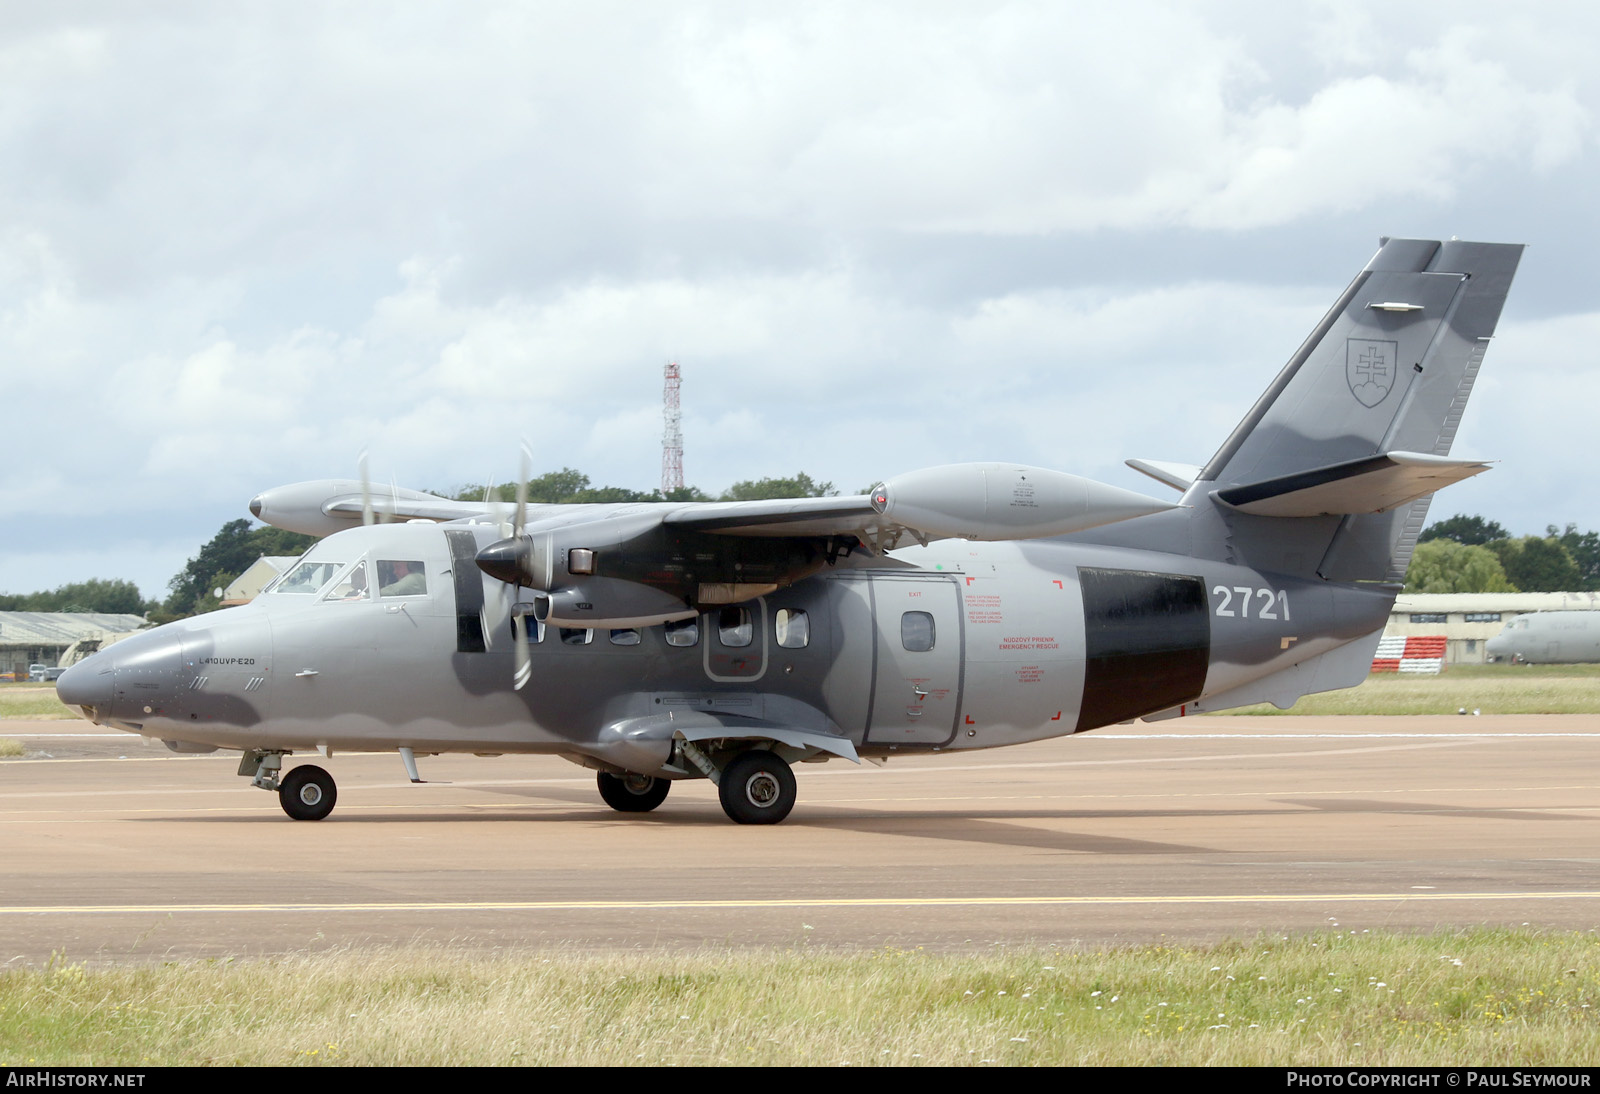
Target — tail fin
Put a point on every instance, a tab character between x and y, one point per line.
1351	422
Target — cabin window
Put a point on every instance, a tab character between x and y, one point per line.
733	626
401	577
576	636
916	631
683	632
625	637
793	629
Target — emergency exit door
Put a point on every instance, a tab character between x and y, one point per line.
916	695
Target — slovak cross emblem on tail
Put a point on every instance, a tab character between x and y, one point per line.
1369	367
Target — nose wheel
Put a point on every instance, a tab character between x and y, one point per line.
307	793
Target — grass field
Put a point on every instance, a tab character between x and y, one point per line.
1492	689
1483	997
33	701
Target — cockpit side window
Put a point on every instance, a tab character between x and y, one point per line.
307	578
352	585
402	577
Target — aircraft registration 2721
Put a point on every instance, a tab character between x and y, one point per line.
958	607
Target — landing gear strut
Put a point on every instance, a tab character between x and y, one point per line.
632	793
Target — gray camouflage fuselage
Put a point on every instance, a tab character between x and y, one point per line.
1029	640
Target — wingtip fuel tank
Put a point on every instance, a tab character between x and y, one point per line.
1001	501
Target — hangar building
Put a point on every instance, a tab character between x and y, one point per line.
40	638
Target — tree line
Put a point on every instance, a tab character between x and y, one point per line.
1468	554
571	487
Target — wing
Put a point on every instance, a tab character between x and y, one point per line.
640	564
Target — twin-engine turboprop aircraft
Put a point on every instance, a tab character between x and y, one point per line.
958	607
1549	638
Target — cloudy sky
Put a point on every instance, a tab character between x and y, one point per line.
241	243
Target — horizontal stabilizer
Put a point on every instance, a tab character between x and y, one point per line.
1374	484
1179	476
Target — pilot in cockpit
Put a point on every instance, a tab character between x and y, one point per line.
401	578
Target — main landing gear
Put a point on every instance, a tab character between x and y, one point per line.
632	793
756	786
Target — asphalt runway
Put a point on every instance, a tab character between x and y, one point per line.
1185	830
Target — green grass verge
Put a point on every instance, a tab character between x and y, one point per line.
1483	997
32	701
10	747
1492	689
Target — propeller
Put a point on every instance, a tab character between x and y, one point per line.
366	489
517	612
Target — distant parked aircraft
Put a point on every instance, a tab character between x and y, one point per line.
1549	638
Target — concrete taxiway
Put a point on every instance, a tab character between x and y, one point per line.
1189	829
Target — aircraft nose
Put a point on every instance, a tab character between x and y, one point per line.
89	683
255	506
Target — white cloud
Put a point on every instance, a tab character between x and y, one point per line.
241	246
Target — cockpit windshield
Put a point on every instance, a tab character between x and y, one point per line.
307	578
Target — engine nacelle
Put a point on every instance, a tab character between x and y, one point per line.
607	602
631	570
1000	501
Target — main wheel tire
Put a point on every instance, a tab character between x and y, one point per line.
757	787
633	793
307	793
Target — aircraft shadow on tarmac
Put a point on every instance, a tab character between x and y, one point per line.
1360	805
1005	829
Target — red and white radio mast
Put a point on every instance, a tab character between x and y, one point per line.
672	436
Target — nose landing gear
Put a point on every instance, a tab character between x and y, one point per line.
306	793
